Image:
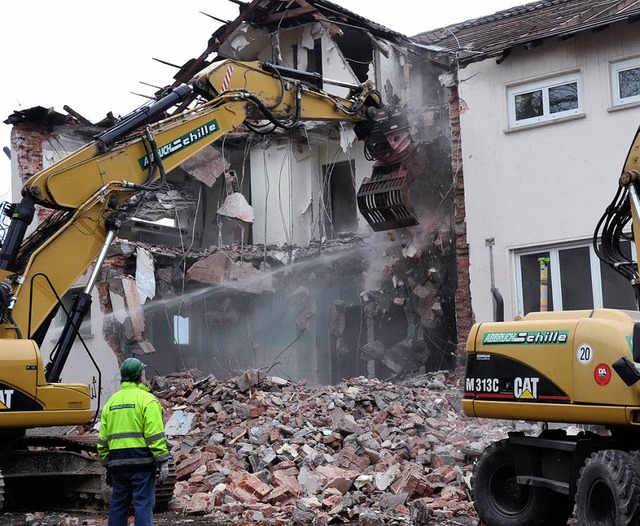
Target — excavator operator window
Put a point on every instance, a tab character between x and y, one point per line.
636	342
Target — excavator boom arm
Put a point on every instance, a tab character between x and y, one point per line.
88	188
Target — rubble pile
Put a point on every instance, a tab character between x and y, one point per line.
260	448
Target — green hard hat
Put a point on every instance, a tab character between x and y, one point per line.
131	369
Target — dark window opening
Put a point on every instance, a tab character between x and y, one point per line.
617	292
575	276
347	361
314	58
356	47
340	198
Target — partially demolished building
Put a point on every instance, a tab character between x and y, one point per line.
262	259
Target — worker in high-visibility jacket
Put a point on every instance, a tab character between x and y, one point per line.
133	447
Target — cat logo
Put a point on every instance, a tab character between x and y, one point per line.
525	388
5	398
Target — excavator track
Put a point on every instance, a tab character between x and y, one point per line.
61	473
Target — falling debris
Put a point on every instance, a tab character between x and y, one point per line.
236	206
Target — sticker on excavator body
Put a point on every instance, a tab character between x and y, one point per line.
5	398
525	338
178	144
504	379
584	353
11	399
602	374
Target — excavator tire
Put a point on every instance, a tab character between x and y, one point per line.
608	492
501	501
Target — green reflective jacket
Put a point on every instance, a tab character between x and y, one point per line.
131	428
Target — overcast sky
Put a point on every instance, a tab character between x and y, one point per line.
91	56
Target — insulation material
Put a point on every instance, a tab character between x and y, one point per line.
134	307
301	151
162	204
245	43
308	37
237	207
145	275
239	42
119	309
347	137
180	423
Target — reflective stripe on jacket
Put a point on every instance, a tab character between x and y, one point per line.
131	428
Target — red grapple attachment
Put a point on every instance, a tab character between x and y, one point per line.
383	198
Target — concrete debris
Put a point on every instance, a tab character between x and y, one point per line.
257	448
206	166
220	269
210	270
161	204
406	355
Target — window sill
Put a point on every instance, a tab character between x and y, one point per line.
545	123
621	107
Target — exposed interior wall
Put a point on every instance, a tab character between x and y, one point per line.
290	292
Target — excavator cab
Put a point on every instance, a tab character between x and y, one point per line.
383	198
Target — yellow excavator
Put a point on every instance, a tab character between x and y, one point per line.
560	368
87	193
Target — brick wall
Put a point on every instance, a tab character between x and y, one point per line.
464	311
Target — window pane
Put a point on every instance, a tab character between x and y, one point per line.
181	330
530	267
575	275
629	81
563	98
617	292
528	105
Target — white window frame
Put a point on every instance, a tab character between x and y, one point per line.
616	68
543	85
555	274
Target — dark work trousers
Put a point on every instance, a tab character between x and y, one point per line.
136	486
